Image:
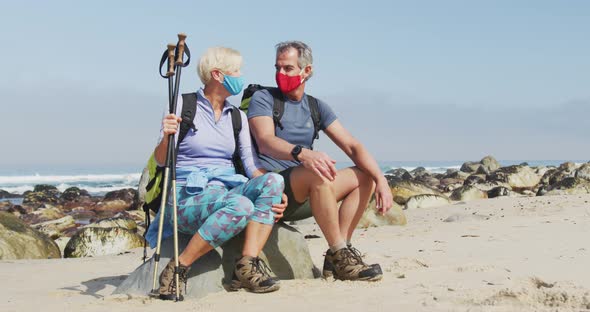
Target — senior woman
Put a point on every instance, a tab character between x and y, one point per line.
214	202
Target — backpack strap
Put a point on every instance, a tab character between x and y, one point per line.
278	107
315	117
236	121
189	110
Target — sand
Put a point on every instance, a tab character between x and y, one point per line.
503	254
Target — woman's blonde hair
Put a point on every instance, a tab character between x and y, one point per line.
221	58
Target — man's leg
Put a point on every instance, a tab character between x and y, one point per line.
354	188
320	191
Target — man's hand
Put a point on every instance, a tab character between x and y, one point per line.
383	196
279	209
319	162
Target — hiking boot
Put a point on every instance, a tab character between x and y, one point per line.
344	265
359	257
168	283
254	275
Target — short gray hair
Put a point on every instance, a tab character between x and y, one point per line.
220	58
303	50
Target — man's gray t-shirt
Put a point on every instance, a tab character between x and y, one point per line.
296	121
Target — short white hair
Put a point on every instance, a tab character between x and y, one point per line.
224	59
303	51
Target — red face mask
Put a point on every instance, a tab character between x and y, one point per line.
287	83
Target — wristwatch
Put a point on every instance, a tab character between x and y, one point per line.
296	151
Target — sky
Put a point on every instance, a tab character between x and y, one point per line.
412	80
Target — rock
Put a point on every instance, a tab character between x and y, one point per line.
517	177
474	179
40	195
127	195
43	214
467	193
428	180
285	252
553	176
426	201
121	222
371	217
490	164
20	241
583	172
54	228
569	186
419	171
470	167
398	174
403	190
74	194
92	242
567	166
482	171
498	191
111	207
5	194
460	175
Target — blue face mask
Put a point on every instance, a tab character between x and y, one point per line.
233	85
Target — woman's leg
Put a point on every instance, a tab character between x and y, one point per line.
214	217
263	191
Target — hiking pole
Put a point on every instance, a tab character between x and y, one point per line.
170	167
179	64
169	56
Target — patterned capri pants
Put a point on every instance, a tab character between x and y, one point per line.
219	214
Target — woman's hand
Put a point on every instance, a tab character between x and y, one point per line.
278	209
170	124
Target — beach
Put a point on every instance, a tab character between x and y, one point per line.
501	254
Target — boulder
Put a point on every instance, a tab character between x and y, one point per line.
467	193
459	175
426	201
285	252
470	167
91	242
583	172
20	241
5	194
498	191
474	179
490	164
419	171
517	177
121	222
55	228
403	190
40	195
567	166
569	186
111	207
141	188
74	194
43	214
553	176
428	180
127	195
372	218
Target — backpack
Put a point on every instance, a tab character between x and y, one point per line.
278	107
153	194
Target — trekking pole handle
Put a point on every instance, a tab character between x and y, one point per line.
181	39
171	48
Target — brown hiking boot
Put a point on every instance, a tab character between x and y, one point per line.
344	265
168	283
254	275
357	254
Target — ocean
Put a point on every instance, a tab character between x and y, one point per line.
100	180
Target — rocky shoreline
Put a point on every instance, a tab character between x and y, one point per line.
75	224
